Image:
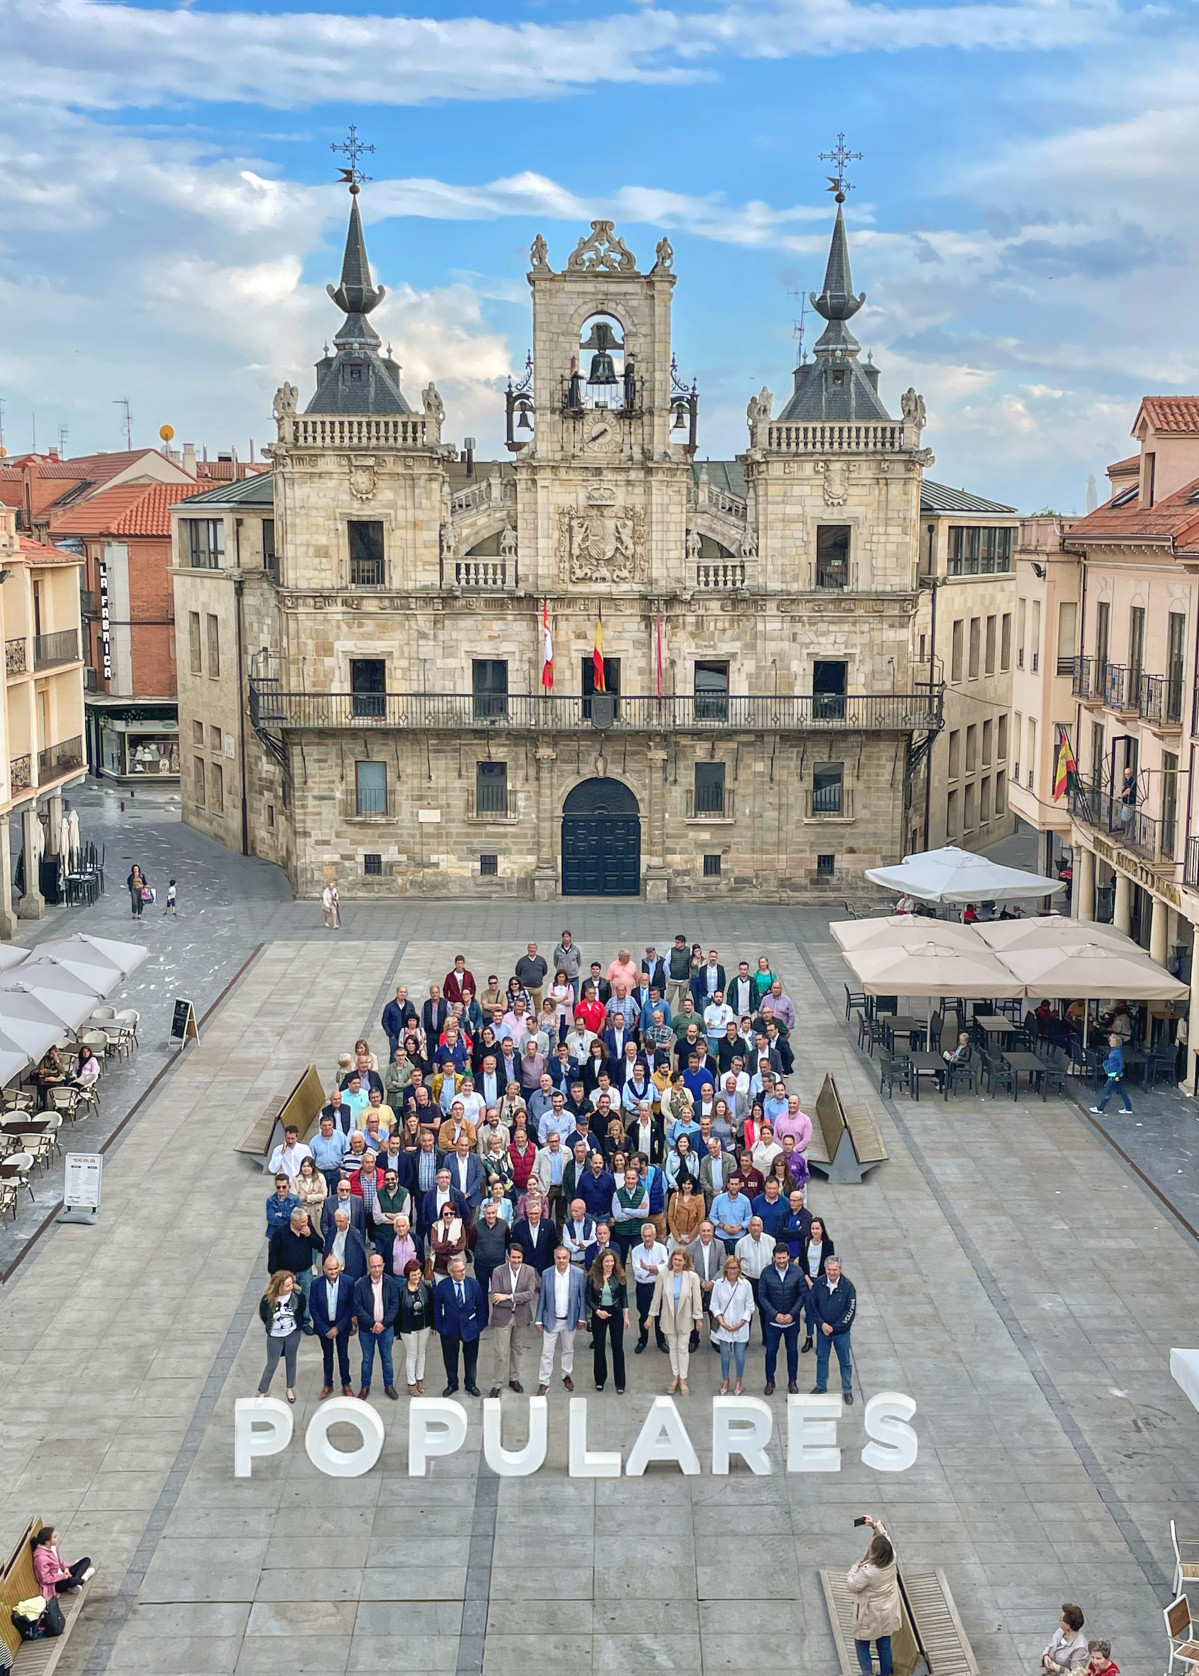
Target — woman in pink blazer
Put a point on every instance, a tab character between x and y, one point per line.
54	1578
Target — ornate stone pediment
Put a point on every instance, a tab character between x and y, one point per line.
836	481
600	251
363	478
603	543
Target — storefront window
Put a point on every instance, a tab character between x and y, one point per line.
152	755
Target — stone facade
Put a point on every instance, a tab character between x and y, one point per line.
766	718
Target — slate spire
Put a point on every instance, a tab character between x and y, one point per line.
356	296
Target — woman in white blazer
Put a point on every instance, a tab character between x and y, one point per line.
678	1306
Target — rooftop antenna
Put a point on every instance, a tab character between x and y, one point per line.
352	148
800	324
123	401
63	434
840	155
2	401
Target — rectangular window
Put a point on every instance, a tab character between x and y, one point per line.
1000	793
370	785
1067	636
1136	651
922	654
989	648
711	866
1150	479
711	691
205	539
951	815
368	686
491	788
829	679
988	736
975	646
1035	648
198	733
1001	740
979	550
216	738
193	643
984	800
489	866
968	808
270	558
1021	621
1103	634
1175	663
611	682
709	788
955	655
198	778
971	748
367	568
825	865
489	685
1005	642
832	555
1098	755
955	753
214	647
827	780
1169	802
372	866
1030	766
218	787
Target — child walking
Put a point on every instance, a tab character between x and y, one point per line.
169	905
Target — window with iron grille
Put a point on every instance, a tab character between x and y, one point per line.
370	785
489	865
491	788
824	866
832	555
367	569
709	788
372	866
826	788
368	684
711	867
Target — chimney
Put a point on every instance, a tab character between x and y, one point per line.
189	458
54	453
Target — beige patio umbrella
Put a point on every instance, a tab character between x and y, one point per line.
898	930
1049	931
929	966
1088	970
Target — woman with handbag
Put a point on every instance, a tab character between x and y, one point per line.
139	890
53	1577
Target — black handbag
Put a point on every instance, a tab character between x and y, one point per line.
53	1622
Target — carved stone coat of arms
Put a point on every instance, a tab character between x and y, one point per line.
601	544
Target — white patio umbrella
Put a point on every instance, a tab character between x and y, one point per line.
63	1005
11	954
928	967
1049	931
1089	970
898	930
12	1063
126	957
26	1026
85	965
955	875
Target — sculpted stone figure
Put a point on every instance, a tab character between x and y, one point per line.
911	405
664	253
434	409
539	253
694	546
508	542
284	409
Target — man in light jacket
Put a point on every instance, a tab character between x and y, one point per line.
834	1301
561	1311
568	959
513	1296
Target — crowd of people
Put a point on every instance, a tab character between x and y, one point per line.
577	1150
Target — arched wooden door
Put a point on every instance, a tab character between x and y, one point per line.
601	840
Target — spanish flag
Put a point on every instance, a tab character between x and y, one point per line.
597	657
1065	770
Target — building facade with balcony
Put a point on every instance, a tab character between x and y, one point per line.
966	636
41	720
361	638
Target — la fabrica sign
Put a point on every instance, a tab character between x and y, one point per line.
742	1427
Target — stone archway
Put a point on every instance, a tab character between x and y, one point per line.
601	840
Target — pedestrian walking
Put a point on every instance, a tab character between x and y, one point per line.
139	890
331	907
1114	1067
169	907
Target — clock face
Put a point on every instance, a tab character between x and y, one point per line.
600	435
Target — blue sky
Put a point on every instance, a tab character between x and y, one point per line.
1022	222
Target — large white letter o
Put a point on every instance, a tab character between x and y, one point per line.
344	1463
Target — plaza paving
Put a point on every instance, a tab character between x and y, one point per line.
1013	1275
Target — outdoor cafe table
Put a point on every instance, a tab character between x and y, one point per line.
25	1126
995	1024
1030	1062
903	1024
925	1063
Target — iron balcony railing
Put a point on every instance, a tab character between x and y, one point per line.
20	773
1161	699
1118	691
1191	869
62	758
51	649
16	655
1129	828
274	710
1084	678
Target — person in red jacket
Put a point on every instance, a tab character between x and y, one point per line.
458	980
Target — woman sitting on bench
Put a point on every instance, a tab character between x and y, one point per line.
54	1578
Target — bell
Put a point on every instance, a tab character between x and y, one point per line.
522	424
603	368
680	420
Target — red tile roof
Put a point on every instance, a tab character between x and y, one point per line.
1124	467
1173	415
37	552
127	509
1177	517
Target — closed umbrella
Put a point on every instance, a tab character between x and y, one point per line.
899	930
955	875
928	967
1049	931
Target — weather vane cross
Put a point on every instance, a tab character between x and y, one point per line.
353	149
840	156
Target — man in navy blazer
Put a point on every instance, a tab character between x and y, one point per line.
781	1293
459	1316
536	1237
347	1244
331	1311
376	1301
706	982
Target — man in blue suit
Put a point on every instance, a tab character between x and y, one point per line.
342	1199
466	1171
331	1311
561	1309
346	1243
781	1293
459	1316
376	1301
706	982
430	1210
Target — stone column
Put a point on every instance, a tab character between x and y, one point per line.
8	920
1122	915
545	878
1084	882
54	823
1159	931
657	886
32	905
1190	1077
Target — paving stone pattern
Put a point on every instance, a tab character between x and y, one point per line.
1013	1276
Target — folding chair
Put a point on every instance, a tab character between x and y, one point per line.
1186	1565
1180	1633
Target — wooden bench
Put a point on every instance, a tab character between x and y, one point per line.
845	1144
17	1582
300	1105
930	1641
